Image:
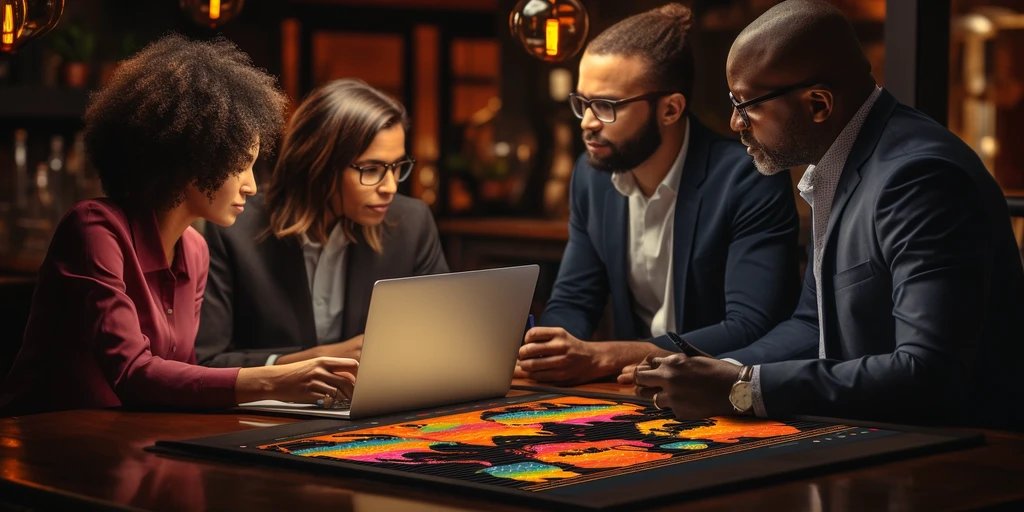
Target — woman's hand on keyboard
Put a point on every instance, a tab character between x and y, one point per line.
320	378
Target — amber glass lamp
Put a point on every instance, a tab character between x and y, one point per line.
550	30
24	20
212	13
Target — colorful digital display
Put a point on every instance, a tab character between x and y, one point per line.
552	442
555	450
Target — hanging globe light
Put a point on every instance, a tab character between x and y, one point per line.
24	20
550	30
212	13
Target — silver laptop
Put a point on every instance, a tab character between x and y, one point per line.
435	340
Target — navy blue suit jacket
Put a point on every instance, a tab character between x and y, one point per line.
921	289
735	261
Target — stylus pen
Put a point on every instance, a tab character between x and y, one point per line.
529	321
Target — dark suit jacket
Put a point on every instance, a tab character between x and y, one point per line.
735	268
257	300
921	291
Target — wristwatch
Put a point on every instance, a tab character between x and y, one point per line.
741	395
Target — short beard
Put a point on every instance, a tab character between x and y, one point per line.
798	148
633	151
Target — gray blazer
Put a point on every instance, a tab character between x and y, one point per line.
257	300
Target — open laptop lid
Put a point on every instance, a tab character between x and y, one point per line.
442	339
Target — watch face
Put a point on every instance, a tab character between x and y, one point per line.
741	397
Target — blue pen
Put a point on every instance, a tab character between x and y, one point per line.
529	321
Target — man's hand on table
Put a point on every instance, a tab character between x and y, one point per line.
552	355
693	387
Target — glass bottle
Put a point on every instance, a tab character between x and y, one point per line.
56	176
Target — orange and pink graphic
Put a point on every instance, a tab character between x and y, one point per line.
554	439
613	453
392	450
724	429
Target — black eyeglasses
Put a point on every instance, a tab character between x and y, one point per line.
742	107
372	174
604	110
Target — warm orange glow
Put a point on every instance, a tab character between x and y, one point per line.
214	9
551	32
8	30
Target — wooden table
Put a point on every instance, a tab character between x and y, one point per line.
81	460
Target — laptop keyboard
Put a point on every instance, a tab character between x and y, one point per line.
341	404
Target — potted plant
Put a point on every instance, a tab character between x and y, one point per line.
76	45
126	48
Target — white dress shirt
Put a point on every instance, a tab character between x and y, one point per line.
818	188
649	254
325	270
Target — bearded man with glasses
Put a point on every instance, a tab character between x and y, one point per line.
667	218
914	283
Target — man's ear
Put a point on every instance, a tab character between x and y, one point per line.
821	104
672	108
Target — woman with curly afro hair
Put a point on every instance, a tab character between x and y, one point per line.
116	306
292	281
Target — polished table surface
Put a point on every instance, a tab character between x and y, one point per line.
95	459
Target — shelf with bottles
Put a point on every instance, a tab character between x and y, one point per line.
36	189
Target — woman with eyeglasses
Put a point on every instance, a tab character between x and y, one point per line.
292	281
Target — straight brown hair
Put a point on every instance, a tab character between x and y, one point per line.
328	131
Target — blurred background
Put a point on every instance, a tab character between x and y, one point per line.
492	132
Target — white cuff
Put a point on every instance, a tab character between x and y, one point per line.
755	393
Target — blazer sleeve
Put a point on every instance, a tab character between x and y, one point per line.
215	343
761	273
113	325
581	287
795	338
429	258
931	228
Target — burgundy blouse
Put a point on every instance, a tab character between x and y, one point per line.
111	323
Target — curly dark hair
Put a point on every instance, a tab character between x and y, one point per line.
180	112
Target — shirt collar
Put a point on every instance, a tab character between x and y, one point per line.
336	239
150	249
625	182
835	158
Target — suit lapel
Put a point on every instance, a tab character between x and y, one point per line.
862	149
687	211
358	287
616	224
293	266
865	144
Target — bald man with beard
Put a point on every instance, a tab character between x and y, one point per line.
914	280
